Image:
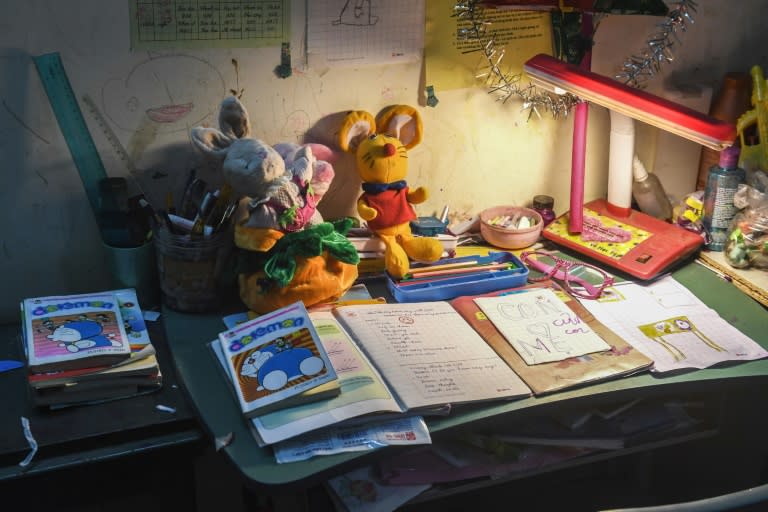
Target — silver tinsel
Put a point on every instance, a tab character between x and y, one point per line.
637	69
634	71
505	85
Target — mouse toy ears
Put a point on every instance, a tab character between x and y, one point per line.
400	121
356	125
234	124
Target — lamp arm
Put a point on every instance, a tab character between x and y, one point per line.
620	156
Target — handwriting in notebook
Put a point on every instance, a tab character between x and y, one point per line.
429	352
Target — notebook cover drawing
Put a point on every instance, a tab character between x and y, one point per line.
620	360
74	331
540	326
275	356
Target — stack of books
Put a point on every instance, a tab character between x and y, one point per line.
87	348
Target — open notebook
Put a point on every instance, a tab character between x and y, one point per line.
435	362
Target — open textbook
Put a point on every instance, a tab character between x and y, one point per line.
454	366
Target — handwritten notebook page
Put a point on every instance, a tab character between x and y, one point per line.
429	354
540	326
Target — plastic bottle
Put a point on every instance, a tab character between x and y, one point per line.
649	193
544	205
729	103
722	182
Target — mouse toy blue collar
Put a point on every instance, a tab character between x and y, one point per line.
378	188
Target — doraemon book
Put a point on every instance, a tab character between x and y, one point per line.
274	358
74	331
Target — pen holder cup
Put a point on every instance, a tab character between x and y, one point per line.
196	274
134	267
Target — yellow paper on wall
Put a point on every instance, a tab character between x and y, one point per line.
450	62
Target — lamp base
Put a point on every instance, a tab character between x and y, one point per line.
636	244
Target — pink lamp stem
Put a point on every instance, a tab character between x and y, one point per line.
578	157
579	147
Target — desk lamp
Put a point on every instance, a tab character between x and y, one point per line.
612	231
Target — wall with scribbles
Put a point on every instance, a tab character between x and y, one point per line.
476	151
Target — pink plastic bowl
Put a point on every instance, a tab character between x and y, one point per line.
510	238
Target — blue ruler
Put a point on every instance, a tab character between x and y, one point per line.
72	125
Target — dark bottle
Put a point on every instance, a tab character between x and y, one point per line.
722	182
732	99
544	204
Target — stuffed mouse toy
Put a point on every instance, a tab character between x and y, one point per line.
289	252
381	155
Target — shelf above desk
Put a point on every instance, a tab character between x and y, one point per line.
188	335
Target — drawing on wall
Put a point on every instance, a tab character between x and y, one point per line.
660	331
357	12
364	31
173	92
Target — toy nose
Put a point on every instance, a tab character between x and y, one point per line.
389	149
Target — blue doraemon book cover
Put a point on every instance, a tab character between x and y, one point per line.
274	357
74	331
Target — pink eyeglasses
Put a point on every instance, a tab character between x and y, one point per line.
580	279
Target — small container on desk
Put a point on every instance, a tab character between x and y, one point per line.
502	270
194	270
500	226
428	226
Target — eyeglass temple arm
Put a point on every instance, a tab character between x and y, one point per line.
558	273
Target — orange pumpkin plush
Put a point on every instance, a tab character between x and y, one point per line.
381	155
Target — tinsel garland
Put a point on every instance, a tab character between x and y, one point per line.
639	68
634	71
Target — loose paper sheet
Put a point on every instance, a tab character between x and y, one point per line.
157	24
364	32
669	324
540	326
449	61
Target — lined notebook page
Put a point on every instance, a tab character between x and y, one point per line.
429	354
540	326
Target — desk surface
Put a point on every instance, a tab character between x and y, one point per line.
78	435
219	413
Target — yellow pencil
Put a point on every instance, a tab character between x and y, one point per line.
432	268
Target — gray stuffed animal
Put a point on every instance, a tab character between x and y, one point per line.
279	190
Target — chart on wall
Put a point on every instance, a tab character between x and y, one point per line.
157	24
356	32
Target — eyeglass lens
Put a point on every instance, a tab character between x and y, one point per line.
580	279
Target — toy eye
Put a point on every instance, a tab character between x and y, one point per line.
372	136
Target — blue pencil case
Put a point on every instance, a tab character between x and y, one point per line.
450	286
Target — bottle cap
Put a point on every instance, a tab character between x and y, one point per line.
729	157
638	169
543	202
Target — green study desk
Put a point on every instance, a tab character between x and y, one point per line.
188	335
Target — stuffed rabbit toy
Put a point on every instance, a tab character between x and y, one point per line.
292	254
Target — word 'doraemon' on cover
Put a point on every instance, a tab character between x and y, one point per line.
74	331
273	357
